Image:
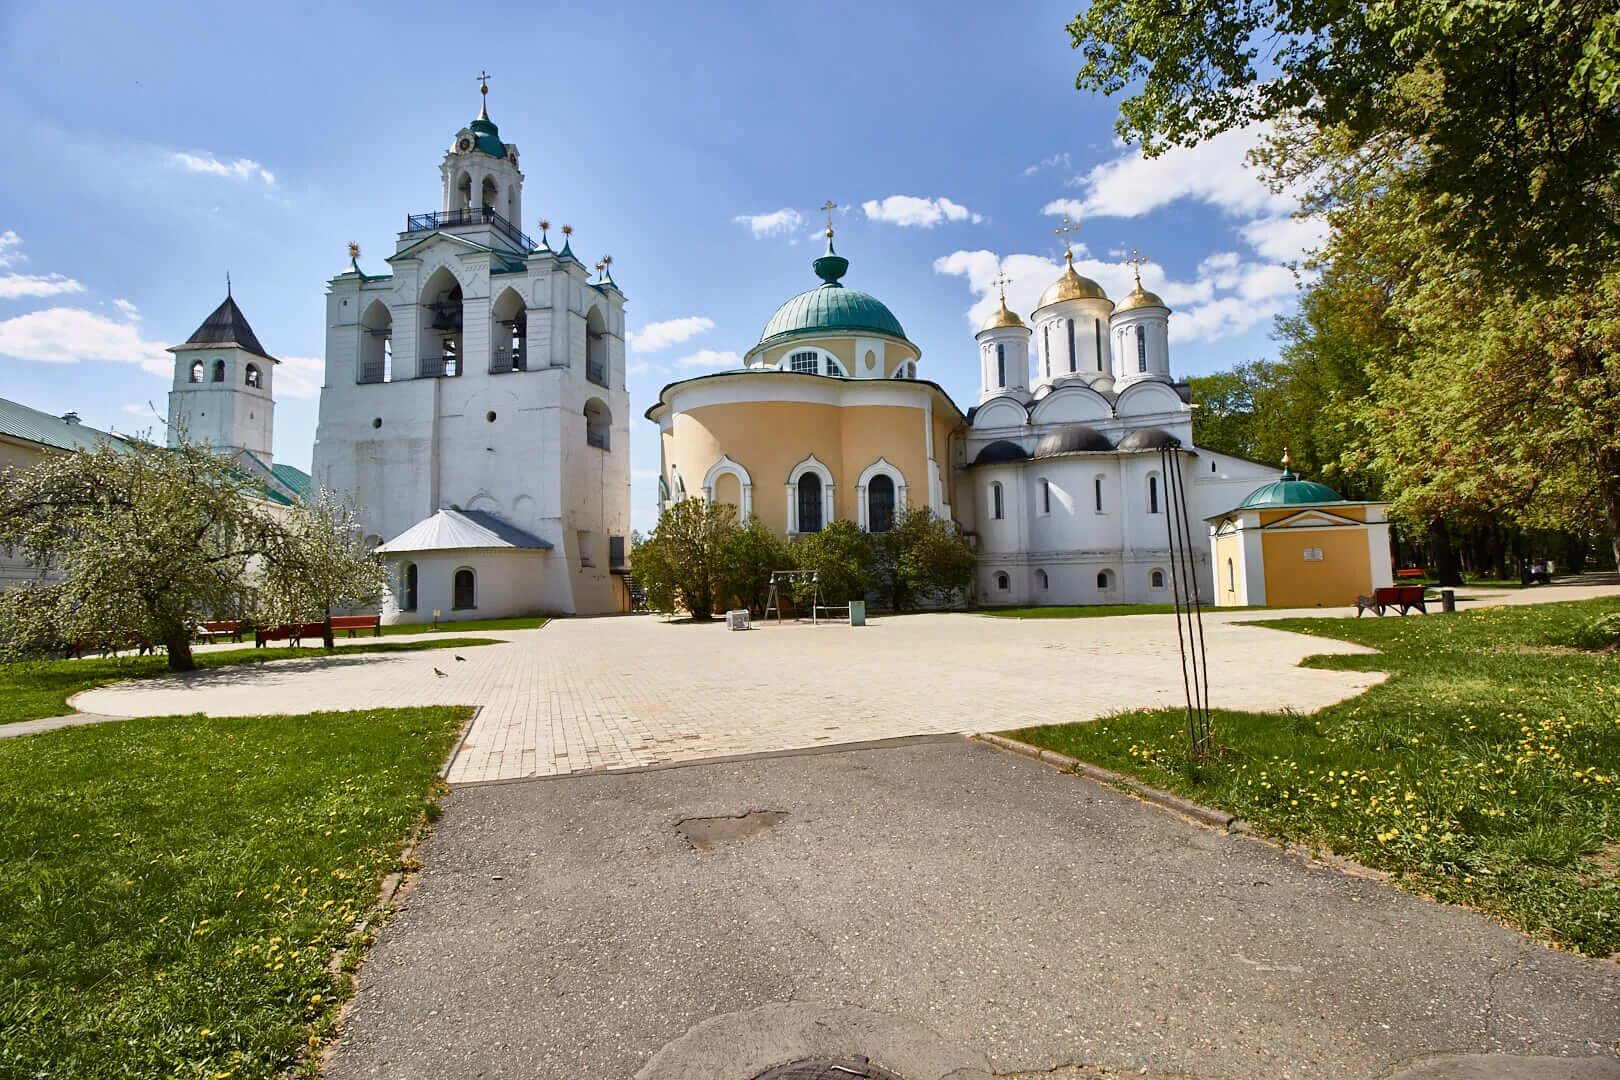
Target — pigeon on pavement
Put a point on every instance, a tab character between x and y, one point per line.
440	674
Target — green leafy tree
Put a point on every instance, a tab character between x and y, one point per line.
842	556
747	558
922	558
681	564
318	563
133	540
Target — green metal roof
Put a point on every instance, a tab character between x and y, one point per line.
21	422
487	137
830	307
296	480
1290	490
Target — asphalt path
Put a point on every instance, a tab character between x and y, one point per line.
945	909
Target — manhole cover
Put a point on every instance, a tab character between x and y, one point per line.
842	1069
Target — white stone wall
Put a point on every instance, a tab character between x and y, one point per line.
507	583
227	415
406	448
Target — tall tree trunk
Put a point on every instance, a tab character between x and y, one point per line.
177	643
1608	463
326	631
1442	553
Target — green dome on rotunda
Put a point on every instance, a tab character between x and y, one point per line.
831	308
1289	490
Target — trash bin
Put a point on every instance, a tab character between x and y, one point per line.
1448	600
857	613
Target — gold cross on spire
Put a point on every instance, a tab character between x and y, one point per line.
483	88
1136	262
1064	230
829	206
1001	282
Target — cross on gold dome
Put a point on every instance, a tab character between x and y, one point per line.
1136	262
829	206
1064	230
1001	282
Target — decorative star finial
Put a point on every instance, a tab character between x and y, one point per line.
545	227
829	206
568	230
1064	231
354	250
483	88
1136	262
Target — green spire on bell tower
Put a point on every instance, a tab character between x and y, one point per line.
831	266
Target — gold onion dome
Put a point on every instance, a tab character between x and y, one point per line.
1001	318
1140	298
1071	286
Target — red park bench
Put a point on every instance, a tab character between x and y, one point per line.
294	633
1404	597
353	623
1410	572
219	631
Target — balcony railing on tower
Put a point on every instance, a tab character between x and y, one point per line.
473	215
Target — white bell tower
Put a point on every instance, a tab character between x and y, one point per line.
222	387
480	171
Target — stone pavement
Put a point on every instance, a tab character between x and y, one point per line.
947	910
631	691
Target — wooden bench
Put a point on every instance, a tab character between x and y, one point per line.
352	623
1403	597
216	631
292	633
1410	572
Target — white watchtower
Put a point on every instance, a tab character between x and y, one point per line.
222	387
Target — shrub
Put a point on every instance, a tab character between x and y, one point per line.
842	556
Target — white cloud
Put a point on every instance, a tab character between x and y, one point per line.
131	312
72	335
711	358
208	164
1057	207
299	376
661	335
1285	238
16	286
915	212
775	223
1214	171
33	286
1049	163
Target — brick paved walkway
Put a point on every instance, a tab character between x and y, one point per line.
629	691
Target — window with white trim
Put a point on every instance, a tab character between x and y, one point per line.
997	506
815	362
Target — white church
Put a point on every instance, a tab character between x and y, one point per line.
474	406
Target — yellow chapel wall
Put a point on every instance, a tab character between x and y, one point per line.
1230	590
1343	573
768	438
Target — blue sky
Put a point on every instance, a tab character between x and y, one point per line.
154	147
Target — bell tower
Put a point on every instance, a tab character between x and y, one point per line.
222	387
480	172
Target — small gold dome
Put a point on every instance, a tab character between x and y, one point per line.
1071	286
1001	318
1140	298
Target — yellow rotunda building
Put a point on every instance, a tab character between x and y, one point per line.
826	420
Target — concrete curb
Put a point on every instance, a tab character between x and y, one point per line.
1198	812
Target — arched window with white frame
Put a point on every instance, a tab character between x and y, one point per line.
880	495
1097	493
1001	365
814	362
1156	579
1105	580
809	496
720	477
1046	495
1003	582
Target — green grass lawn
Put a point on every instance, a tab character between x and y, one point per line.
1484	771
34	689
525	622
172	890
